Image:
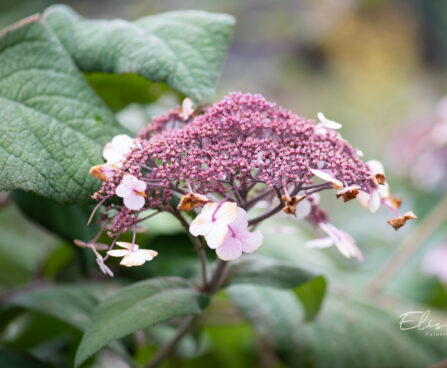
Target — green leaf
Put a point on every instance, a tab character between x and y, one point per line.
138	306
10	358
349	332
311	295
53	125
23	247
119	90
72	304
184	49
260	270
67	221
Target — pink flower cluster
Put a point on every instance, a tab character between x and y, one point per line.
241	150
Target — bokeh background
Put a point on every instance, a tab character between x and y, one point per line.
378	66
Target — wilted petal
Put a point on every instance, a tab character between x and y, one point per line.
190	201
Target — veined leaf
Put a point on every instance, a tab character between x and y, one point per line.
184	49
72	304
136	307
53	125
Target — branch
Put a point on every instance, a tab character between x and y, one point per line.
198	246
164	351
274	210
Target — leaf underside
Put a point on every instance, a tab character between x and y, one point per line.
184	49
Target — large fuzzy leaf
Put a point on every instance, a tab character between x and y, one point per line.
53	125
184	49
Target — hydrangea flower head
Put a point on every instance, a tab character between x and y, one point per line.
239	152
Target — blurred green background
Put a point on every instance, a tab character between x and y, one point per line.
379	67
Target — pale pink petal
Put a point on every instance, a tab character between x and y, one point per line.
139	186
342	240
320	243
126	245
363	198
230	249
149	254
376	166
348	189
133	259
122	143
187	108
108	170
251	241
303	209
328	123
111	155
123	190
216	235
200	226
207	211
129	181
134	201
241	223
347	247
327	177
384	190
105	270
227	213
117	252
374	201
